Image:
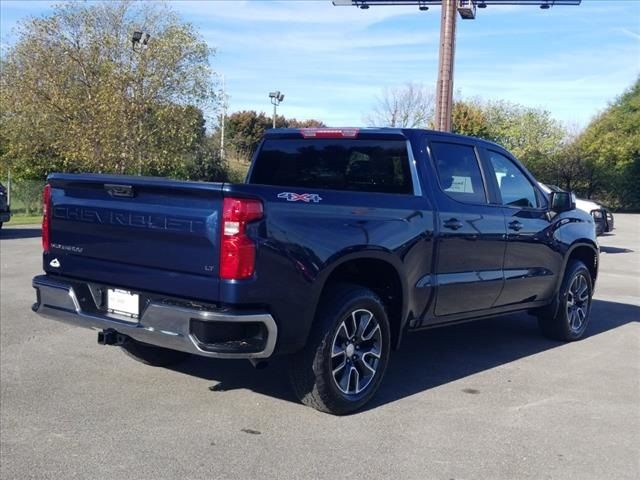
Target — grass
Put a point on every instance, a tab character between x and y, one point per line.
24	220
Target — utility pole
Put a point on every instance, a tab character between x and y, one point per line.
467	10
444	87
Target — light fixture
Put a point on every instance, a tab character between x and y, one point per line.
139	38
276	97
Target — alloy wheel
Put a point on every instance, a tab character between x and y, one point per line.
356	352
578	300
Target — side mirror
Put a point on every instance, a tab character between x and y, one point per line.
562	201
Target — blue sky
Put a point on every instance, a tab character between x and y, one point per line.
332	62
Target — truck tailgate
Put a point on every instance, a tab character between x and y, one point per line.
136	232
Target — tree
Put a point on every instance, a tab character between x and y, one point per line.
531	134
611	144
76	97
295	123
470	118
245	129
409	106
243	132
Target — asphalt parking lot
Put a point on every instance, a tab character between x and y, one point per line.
488	400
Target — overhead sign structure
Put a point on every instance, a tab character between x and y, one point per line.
467	10
364	4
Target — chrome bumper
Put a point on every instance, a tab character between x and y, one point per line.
161	324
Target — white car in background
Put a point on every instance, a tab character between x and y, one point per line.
601	215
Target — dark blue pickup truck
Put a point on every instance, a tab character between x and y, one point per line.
339	243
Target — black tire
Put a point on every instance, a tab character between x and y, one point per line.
557	321
152	355
367	349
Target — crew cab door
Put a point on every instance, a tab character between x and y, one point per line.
471	235
531	266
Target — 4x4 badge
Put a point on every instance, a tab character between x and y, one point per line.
300	197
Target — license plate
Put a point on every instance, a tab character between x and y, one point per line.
123	302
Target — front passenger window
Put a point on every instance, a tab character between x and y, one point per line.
515	188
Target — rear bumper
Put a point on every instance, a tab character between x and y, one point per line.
163	324
5	216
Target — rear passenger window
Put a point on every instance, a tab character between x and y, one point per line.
337	164
459	172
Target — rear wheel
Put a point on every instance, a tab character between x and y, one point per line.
572	307
152	355
347	352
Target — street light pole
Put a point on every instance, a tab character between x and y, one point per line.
276	97
444	87
224	114
274	115
141	40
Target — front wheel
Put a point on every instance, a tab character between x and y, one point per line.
572	306
342	365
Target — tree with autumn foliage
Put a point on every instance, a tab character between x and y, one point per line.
75	96
610	150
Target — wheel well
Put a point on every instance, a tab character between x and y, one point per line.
379	276
588	256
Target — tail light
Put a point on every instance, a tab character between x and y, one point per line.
46	217
237	250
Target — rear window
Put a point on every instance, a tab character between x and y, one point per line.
335	164
459	172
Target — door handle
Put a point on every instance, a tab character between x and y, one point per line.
453	224
515	225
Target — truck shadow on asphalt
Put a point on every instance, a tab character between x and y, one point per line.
7	233
426	359
605	249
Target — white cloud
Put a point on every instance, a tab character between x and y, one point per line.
331	62
629	33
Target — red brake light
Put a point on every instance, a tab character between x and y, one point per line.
329	132
237	250
46	217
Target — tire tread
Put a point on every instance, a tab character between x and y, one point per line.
305	366
551	319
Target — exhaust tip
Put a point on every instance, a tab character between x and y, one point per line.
259	364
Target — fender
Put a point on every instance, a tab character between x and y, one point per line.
578	243
552	308
572	230
366	253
